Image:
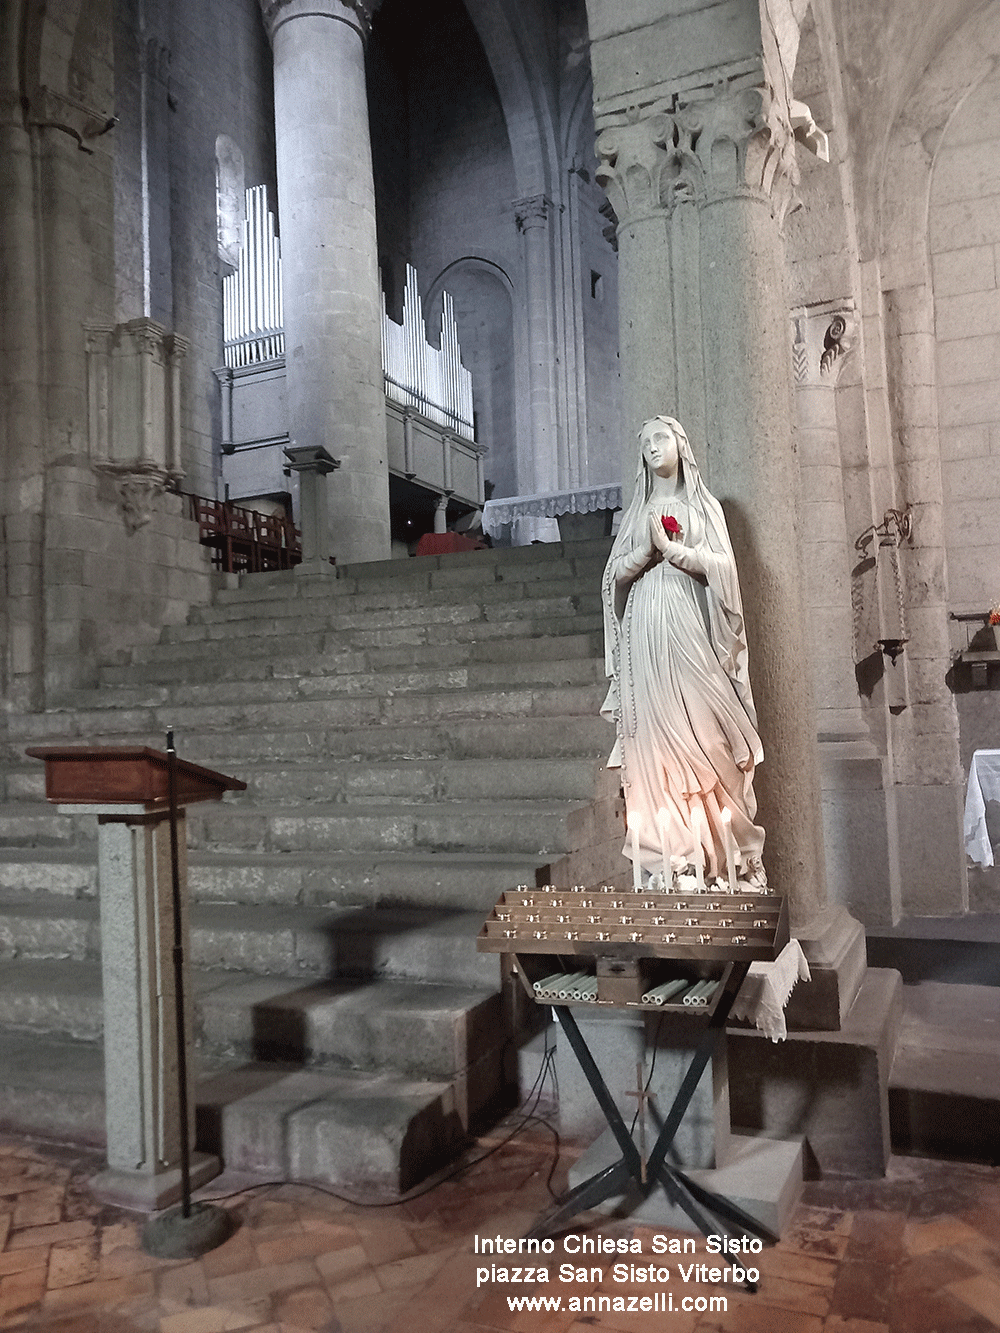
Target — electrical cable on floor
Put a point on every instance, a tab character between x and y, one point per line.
533	1097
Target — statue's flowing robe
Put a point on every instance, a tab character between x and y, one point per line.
680	694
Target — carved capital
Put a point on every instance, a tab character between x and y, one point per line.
356	14
640	166
713	143
532	212
822	338
743	142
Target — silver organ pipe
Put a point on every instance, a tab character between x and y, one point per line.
251	308
430	379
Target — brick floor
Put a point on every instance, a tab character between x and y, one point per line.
918	1252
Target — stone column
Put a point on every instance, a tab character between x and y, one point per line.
700	184
745	161
313	465
540	470
326	201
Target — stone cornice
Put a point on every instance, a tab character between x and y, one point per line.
357	14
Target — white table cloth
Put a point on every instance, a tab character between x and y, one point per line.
498	513
767	988
984	785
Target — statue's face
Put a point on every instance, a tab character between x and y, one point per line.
659	448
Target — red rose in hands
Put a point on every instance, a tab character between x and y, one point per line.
670	526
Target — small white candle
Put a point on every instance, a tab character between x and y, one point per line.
699	851
634	824
664	849
727	838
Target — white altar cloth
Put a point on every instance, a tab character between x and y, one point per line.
766	991
508	509
984	785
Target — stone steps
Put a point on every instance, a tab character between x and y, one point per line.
513	611
402	1049
317	941
437	880
535	827
416	737
259	662
944	1089
319	683
489	739
422	1029
281	1122
335	712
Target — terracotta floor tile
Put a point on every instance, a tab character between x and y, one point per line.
936	1312
915	1253
73	1262
183	1283
354	1288
796	1267
50	1235
789	1295
861	1291
38	1208
386	1240
87	1322
942	1233
307	1308
236	1255
982	1294
104	1294
983	1254
16	1261
875	1237
377	1313
931	1272
298	1245
261	1282
414	1270
19	1291
338	1265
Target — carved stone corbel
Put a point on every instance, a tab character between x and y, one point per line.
822	337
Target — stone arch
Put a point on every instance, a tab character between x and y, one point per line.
512	36
484	310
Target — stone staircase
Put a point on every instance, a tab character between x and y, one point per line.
416	737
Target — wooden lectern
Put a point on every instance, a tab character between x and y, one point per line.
127	788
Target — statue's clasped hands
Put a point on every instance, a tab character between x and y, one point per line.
671	547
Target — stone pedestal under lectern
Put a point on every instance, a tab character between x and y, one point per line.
126	788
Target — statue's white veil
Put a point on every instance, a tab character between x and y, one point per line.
725	607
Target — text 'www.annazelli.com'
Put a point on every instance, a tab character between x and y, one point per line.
661	1302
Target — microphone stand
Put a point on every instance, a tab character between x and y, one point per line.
188	1230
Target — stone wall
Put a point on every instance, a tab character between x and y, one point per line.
207	73
964	222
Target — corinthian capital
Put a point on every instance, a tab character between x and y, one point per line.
357	14
641	167
713	143
534	211
744	142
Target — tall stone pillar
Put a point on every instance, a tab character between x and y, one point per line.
326	204
700	172
539	471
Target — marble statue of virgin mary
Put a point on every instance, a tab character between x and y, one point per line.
676	653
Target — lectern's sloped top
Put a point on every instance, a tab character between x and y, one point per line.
130	774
